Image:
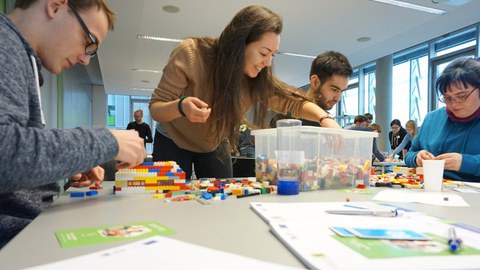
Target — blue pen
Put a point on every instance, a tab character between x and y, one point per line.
454	242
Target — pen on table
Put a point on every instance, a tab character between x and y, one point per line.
453	242
366	212
248	195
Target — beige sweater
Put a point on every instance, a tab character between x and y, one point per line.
186	75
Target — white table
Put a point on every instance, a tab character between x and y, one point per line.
228	225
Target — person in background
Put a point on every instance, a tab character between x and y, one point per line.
246	141
329	75
396	136
369	117
209	84
360	123
56	34
451	133
412	130
141	127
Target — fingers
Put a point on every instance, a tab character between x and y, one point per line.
423	155
199	115
93	176
131	149
122	165
453	161
196	110
76	177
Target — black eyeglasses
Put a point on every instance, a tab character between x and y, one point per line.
92	47
458	99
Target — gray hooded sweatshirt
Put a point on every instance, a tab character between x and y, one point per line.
33	159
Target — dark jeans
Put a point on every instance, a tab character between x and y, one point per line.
206	164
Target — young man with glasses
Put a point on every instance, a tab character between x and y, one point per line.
451	133
56	34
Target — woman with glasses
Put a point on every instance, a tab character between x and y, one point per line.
412	130
209	84
452	133
396	136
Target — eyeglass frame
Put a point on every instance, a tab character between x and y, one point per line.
93	44
458	100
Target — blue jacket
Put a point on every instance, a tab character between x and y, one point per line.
439	135
401	146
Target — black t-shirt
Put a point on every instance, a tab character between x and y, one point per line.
396	140
143	129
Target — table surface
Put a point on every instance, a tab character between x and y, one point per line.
228	225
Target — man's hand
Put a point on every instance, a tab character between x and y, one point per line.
131	150
85	179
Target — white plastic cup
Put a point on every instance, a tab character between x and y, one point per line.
433	175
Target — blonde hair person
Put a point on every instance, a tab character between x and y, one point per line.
375	127
412	130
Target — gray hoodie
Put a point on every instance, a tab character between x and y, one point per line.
33	159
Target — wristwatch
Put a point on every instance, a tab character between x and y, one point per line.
326	116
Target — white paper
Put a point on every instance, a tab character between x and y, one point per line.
420	196
306	211
159	252
313	243
304	229
472	184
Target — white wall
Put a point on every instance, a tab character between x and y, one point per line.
99	106
78	98
49	99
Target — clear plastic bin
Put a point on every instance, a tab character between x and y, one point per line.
333	158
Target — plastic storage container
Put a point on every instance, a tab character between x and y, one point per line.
333	158
289	157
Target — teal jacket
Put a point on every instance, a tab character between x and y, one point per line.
439	134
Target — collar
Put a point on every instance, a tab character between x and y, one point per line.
462	120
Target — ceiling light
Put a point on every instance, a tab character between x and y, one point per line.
176	40
412	6
296	54
363	39
141	89
146	70
171	9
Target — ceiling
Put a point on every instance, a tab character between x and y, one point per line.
310	28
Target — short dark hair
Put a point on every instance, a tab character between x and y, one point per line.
396	122
369	116
360	119
461	71
330	63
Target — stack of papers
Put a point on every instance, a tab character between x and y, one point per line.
410	241
159	252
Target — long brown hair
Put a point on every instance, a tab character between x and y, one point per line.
229	81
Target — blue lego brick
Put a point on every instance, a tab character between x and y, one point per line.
77	194
91	193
